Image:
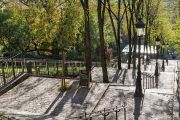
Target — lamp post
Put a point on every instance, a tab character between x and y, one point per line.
140	28
167	45
157	54
163	66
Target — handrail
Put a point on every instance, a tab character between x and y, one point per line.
105	112
9	70
148	80
10	58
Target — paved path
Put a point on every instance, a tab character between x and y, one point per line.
39	98
153	106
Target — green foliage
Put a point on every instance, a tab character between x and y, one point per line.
48	27
14	32
57	27
68	25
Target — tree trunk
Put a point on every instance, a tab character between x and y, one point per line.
101	37
116	34
130	44
128	21
118	37
87	39
63	71
134	36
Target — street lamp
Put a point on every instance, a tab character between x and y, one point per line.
157	54
167	45
163	66
140	28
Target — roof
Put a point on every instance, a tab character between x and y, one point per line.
149	49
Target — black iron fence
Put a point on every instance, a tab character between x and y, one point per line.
148	80
105	114
9	70
178	78
178	70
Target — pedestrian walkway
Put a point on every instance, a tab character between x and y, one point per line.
154	105
39	98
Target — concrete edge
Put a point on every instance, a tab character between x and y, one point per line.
100	99
14	83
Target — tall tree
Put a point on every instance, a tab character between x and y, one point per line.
87	39
116	32
101	12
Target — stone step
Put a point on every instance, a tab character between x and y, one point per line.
152	106
83	100
9	111
176	110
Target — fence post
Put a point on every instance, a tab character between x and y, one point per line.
153	80
57	69
24	61
146	82
85	115
105	114
47	66
124	113
29	67
34	65
3	74
143	79
116	110
66	69
13	69
149	81
22	66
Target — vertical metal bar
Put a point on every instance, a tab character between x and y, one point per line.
85	115
150	81
22	67
146	81
143	80
35	67
57	69
3	74
116	113
153	81
13	69
104	114
47	66
124	113
24	61
76	68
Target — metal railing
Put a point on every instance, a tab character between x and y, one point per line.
171	101
148	80
10	70
178	77
103	114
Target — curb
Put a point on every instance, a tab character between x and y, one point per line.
13	83
100	98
